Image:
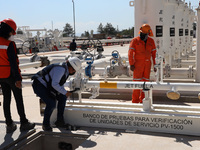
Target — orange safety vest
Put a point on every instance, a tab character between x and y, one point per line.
4	62
139	51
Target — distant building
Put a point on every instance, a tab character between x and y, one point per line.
99	36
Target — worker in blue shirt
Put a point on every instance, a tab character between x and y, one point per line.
48	84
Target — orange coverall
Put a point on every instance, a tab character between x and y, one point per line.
139	55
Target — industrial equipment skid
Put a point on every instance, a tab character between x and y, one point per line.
132	117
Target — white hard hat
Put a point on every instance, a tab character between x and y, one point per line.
75	63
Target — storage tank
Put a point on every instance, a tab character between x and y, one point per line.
169	30
198	46
186	30
151	12
179	29
170	22
191	21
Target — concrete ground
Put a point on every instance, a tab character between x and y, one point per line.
100	139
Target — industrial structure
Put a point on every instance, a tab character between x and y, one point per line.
178	72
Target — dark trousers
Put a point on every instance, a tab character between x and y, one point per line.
41	91
7	86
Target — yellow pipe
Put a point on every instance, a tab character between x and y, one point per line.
108	85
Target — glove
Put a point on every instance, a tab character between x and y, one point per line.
132	67
76	89
68	94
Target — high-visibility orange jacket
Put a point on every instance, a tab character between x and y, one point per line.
141	51
140	54
9	61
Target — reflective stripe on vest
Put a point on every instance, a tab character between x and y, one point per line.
3	47
143	50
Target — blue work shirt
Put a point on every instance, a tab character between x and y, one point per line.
56	74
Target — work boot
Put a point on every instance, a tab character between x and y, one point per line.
60	124
46	127
11	128
27	126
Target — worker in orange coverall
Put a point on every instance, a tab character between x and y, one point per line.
141	49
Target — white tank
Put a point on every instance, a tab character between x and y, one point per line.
169	30
186	29
179	29
171	22
147	12
190	27
198	46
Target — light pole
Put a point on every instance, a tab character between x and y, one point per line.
74	18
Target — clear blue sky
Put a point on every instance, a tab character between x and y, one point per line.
89	13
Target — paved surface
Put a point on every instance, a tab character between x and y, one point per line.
102	139
119	140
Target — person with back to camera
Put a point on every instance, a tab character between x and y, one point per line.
141	49
10	77
48	84
73	45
